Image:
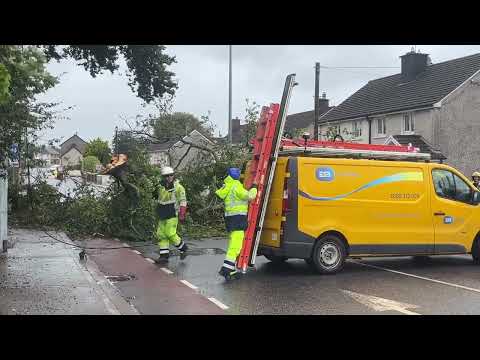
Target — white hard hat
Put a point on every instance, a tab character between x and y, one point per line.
476	174
166	170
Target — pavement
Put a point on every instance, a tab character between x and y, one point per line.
39	276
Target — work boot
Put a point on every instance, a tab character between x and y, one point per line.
229	274
162	259
183	251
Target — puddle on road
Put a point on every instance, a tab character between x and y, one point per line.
207	251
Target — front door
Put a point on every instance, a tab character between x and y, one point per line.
452	212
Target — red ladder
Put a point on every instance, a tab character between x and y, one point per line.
256	174
261	169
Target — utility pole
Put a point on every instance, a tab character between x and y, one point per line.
317	110
230	95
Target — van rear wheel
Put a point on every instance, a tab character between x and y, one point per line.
329	254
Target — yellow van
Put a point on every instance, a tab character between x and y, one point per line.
324	210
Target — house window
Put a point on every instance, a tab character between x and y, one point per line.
381	128
356	129
408	123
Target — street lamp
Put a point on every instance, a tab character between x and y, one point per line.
230	94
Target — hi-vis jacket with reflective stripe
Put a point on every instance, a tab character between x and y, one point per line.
175	195
236	197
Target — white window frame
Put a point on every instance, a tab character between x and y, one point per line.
411	123
356	129
383	132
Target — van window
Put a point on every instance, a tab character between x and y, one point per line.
450	186
464	193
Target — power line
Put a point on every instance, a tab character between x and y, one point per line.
360	67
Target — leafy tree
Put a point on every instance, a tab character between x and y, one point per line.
127	142
147	65
251	120
179	124
89	163
26	70
100	149
4	83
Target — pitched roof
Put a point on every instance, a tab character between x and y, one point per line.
391	93
302	120
160	147
66	149
419	142
76	138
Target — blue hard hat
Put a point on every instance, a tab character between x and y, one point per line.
234	173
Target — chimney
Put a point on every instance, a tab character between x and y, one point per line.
323	104
235	124
236	135
414	63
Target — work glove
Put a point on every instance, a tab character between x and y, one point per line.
252	193
182	214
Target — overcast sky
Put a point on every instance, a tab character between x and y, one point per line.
202	73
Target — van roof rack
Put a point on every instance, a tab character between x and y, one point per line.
352	150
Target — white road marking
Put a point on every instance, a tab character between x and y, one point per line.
150	260
137	252
381	304
166	270
126	245
218	303
419	277
189	284
109	306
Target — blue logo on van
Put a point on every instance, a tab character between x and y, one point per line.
325	174
448	220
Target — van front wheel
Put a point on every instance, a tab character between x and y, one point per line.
329	254
476	251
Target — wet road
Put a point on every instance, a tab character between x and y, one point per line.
441	285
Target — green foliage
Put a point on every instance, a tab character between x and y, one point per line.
126	142
146	65
252	112
179	124
26	68
202	181
89	163
100	149
4	83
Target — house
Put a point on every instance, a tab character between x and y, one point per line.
305	121
436	106
183	155
158	153
72	150
48	155
179	154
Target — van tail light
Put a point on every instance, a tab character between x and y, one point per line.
286	204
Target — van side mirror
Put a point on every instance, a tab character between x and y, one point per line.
476	198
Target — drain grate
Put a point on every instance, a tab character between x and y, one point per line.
116	278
